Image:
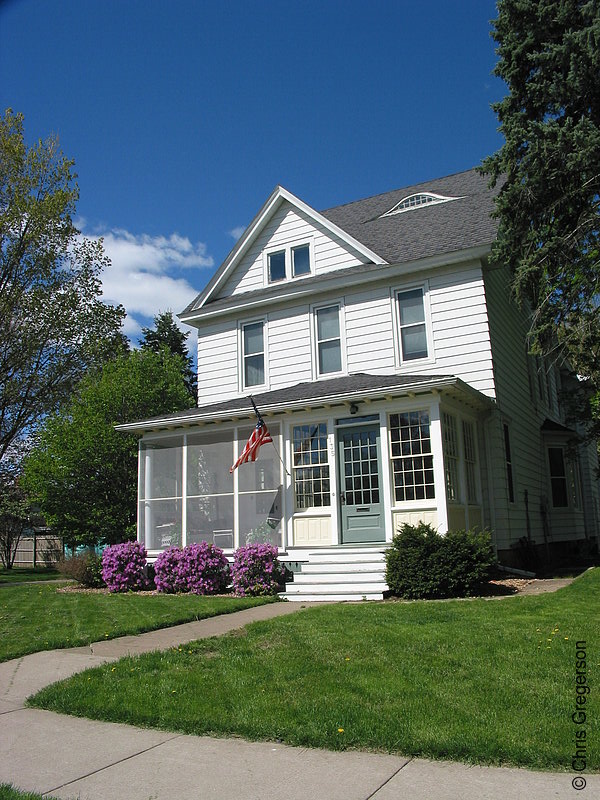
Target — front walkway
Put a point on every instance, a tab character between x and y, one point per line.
69	757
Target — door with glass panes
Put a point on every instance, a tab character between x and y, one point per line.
361	500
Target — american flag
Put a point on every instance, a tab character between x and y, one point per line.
259	436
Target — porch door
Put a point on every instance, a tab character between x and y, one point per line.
361	499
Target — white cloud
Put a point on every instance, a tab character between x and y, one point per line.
145	274
237	232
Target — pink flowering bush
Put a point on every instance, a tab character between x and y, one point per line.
256	570
197	568
123	567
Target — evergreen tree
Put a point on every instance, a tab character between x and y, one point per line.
167	334
548	171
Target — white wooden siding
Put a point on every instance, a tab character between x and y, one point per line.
288	225
460	336
217	362
369	332
289	347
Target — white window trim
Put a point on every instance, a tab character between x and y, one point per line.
315	342
287	247
400	364
241	382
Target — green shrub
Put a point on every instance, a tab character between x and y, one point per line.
422	563
85	568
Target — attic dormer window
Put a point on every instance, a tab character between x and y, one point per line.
412	201
289	261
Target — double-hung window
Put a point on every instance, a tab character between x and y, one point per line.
450	446
328	340
311	466
412	459
412	326
253	353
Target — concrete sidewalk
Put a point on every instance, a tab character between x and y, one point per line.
69	757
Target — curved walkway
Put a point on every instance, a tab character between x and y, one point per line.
69	757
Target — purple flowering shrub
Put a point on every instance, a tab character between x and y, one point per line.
123	567
168	574
256	570
197	568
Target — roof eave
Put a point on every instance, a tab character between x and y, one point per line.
299	289
418	387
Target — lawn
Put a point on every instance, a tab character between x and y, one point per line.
481	681
22	574
8	792
34	618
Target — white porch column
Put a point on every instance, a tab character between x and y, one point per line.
439	477
386	476
148	508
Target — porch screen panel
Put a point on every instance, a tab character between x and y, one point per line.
209	484
412	460
161	492
311	466
260	492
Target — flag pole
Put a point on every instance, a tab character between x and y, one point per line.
262	422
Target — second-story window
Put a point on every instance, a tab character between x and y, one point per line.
253	353
411	325
329	343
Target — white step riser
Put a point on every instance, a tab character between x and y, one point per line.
337	577
332	598
343	558
357	588
323	569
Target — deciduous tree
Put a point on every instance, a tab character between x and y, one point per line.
53	323
83	473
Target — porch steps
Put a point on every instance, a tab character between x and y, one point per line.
339	574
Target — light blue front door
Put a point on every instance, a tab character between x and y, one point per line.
361	502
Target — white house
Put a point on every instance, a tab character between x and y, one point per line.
382	347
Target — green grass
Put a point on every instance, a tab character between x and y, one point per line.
34	618
23	574
482	681
8	792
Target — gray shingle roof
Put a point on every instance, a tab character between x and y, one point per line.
425	231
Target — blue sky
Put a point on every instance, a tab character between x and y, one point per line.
183	115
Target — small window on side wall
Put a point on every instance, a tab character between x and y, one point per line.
411	325
253	353
558	477
509	465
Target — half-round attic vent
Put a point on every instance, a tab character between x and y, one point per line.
412	201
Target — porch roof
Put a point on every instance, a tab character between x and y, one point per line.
314	394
